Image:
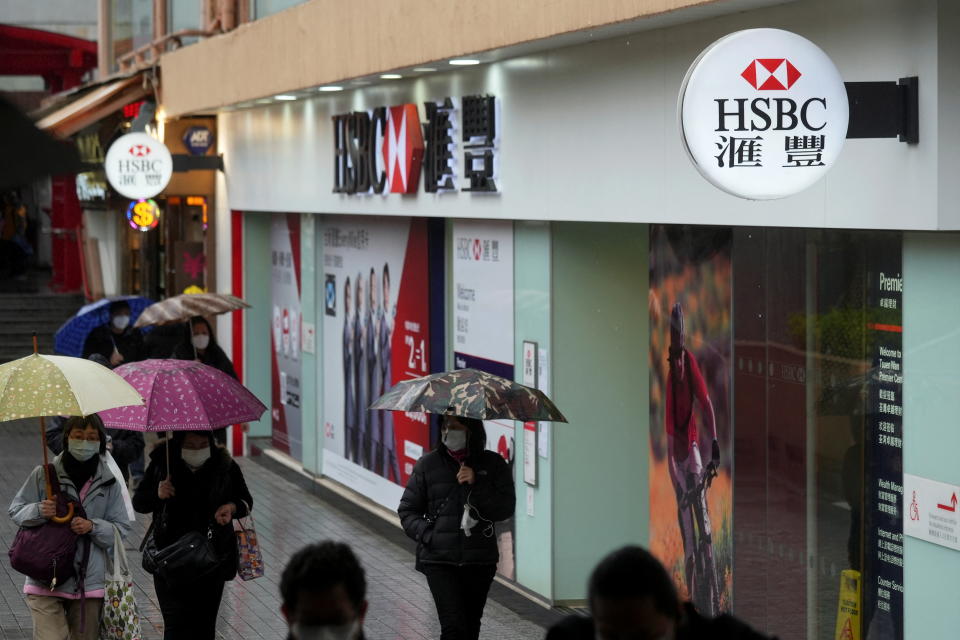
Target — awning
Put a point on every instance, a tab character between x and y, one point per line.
94	105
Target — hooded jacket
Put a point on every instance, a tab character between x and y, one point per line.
433	502
198	496
103	505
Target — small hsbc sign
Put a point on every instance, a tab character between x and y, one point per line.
138	166
763	113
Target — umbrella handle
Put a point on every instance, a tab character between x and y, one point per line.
50	496
66	518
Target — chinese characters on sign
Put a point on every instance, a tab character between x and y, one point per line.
138	166
763	127
405	144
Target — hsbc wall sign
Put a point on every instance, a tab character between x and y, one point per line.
386	149
763	113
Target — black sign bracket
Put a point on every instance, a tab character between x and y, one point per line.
884	110
184	162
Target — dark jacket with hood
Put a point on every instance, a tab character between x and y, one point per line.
212	356
432	507
198	496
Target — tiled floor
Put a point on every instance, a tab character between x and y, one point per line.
287	517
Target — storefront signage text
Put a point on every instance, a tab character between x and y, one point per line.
382	150
138	166
763	113
198	140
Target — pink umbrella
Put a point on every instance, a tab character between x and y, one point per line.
182	395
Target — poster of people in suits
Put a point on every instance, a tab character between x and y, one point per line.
376	333
285	367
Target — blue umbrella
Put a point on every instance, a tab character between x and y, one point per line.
69	338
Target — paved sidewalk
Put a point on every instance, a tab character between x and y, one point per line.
287	517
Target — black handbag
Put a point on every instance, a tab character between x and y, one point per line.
191	557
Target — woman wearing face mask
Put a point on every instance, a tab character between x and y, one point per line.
199	344
117	341
85	478
204	490
454	496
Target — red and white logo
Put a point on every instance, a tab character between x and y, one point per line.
477	249
771	74
139	150
403	149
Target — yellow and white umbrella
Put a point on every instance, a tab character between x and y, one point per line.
41	385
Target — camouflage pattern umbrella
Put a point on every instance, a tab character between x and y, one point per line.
187	305
472	394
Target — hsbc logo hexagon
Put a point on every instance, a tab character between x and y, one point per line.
403	149
771	74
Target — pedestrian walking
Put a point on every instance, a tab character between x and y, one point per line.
631	595
204	491
200	344
453	498
71	609
116	340
324	590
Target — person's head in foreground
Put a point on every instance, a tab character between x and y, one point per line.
632	597
323	588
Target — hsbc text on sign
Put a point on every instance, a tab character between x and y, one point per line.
763	113
138	166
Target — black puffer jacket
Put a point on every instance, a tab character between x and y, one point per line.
442	541
198	496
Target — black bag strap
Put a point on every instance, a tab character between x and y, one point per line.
146	536
436	513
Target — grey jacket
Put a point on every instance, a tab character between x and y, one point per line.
103	506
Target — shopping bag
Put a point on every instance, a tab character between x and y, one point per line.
250	565
120	619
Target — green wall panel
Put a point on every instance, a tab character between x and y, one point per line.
601	342
931	404
256	291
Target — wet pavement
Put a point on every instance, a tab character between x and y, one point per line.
290	511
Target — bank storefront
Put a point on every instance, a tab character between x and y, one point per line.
540	217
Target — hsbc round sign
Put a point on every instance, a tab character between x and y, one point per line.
138	166
763	113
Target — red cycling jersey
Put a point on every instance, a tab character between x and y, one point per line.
681	423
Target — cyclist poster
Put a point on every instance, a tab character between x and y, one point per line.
691	494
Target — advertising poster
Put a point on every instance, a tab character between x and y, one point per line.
690	412
483	329
376	332
285	334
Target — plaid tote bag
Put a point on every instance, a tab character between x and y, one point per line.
120	619
251	559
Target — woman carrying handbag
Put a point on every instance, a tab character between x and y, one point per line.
70	607
199	499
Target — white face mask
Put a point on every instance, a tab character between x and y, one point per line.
195	457
200	341
83	450
349	631
120	322
454	439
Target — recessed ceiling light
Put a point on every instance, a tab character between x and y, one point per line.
331	87
285	97
464	62
264	101
390	76
423	69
